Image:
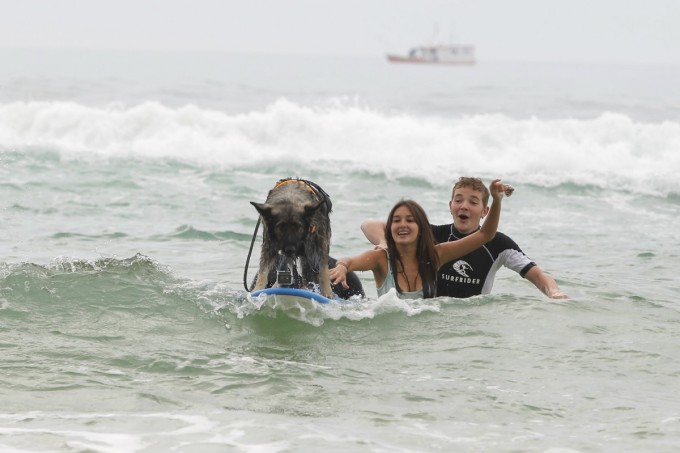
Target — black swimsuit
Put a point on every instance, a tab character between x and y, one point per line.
475	272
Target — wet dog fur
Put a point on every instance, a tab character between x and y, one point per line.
296	238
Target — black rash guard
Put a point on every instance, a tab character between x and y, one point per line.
475	272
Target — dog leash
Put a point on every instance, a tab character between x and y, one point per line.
326	198
250	252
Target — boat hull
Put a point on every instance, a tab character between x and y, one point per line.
401	59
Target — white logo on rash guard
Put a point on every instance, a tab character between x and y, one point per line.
462	267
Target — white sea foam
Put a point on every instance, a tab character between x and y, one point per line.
610	151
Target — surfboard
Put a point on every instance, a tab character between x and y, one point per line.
292	295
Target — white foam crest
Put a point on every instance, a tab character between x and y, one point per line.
355	309
242	305
610	151
359	309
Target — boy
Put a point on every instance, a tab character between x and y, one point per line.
475	272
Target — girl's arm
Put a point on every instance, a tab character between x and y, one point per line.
449	251
371	260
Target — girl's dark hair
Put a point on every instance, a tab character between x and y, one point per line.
428	260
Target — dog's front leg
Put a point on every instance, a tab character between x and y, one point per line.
261	281
262	275
324	278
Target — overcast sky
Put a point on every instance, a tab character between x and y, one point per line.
534	30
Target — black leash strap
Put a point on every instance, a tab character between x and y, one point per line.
245	271
322	193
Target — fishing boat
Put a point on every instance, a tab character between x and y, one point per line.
437	54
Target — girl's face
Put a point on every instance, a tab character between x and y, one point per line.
404	228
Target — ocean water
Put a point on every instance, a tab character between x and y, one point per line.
125	181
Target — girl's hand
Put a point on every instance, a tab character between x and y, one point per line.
339	274
499	189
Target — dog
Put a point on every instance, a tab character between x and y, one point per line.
296	240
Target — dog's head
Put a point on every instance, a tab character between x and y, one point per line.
287	225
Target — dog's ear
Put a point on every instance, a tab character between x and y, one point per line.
264	209
310	208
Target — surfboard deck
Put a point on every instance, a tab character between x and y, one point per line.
292	295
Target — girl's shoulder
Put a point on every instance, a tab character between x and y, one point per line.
380	254
380	257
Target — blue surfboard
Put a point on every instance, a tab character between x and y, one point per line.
292	293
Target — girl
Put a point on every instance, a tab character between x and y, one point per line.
412	258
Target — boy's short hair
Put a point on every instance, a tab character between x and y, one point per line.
475	184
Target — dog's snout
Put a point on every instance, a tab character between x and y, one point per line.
289	250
